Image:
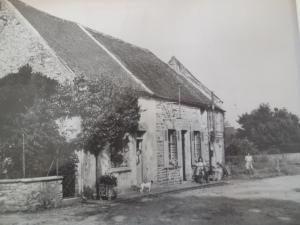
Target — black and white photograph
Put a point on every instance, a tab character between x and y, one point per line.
150	112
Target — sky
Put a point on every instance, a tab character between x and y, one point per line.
246	51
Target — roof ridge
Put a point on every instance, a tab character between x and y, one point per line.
108	55
88	34
116	59
117	39
180	64
74	22
42	11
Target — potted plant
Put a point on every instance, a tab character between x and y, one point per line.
107	184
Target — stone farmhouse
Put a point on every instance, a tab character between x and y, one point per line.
181	119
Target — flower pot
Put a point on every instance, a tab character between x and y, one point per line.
108	192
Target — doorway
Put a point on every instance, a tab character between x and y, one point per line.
139	161
183	143
140	173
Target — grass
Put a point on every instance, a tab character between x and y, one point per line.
263	168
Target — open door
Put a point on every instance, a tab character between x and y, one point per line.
139	157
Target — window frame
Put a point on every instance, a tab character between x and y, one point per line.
172	148
197	146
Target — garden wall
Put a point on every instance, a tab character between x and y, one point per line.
266	165
30	194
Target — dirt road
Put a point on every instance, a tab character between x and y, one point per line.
274	201
280	188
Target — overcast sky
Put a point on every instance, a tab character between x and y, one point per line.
247	51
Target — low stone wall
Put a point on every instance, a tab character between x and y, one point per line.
30	194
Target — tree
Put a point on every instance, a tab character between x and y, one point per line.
109	114
25	99
271	130
241	146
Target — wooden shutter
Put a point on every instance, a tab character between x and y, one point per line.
166	149
179	148
197	144
192	147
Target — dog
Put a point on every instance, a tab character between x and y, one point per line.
146	186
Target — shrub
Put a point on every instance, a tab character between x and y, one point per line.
241	147
88	192
108	180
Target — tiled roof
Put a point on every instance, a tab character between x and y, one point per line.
94	54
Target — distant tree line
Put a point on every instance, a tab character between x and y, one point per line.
266	130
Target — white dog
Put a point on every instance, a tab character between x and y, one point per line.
146	186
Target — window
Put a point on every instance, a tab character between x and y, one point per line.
197	145
119	159
172	140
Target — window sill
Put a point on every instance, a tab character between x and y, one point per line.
172	167
119	170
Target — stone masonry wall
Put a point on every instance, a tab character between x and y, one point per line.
20	44
218	146
30	194
180	118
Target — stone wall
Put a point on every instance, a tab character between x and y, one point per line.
86	169
127	176
156	118
218	146
21	44
30	194
186	119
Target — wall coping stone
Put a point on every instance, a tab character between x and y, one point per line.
119	170
31	180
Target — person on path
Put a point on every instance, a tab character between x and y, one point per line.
249	163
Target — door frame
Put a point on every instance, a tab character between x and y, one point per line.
183	149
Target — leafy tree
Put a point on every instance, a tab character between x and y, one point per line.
109	114
25	98
241	146
270	129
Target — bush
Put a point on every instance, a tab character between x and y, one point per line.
108	180
107	184
241	147
88	192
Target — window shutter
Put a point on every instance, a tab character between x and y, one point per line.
192	147
166	149
179	150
